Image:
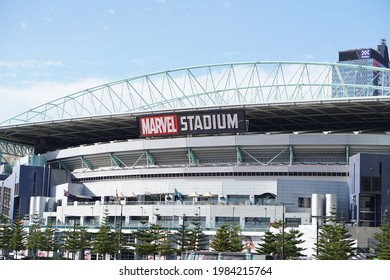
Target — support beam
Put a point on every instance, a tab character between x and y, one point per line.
149	158
291	154
62	166
86	163
240	157
115	160
14	149
191	157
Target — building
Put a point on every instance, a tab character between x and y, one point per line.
248	143
378	58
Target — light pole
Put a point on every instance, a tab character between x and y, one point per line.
120	232
283	204
184	218
317	229
93	218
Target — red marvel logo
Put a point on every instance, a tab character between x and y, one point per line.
159	125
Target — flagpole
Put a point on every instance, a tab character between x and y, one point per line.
116	204
62	208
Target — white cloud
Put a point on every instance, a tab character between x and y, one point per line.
308	56
30	64
19	100
112	11
24	23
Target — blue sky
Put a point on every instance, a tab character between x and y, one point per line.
49	49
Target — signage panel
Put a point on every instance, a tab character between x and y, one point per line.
365	53
230	121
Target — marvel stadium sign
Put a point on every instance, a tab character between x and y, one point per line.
192	123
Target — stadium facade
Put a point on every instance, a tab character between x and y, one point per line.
248	143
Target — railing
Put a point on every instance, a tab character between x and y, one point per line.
134	203
136	226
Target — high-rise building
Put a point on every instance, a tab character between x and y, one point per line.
359	78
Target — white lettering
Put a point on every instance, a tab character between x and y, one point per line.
145	124
183	124
207	122
191	122
198	123
221	121
158	125
232	121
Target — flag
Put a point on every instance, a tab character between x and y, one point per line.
68	194
117	197
178	195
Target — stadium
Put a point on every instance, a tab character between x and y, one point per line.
247	143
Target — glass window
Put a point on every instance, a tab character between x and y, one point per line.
304	202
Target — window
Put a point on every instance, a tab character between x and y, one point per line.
293	222
16	189
370	184
304	202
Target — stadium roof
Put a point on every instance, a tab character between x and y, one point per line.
278	97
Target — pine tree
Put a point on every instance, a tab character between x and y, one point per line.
143	245
148	241
84	241
104	242
17	241
34	236
272	243
71	241
197	239
5	235
48	240
220	243
334	241
182	237
382	240
228	238
292	239
235	243
165	248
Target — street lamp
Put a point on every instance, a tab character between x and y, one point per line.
283	204
317	229
93	218
184	218
120	232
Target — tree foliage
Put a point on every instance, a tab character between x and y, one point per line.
76	240
382	240
272	243
18	233
197	240
104	242
228	238
34	236
5	234
334	241
48	240
182	237
151	241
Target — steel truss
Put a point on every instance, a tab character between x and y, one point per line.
9	148
215	86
